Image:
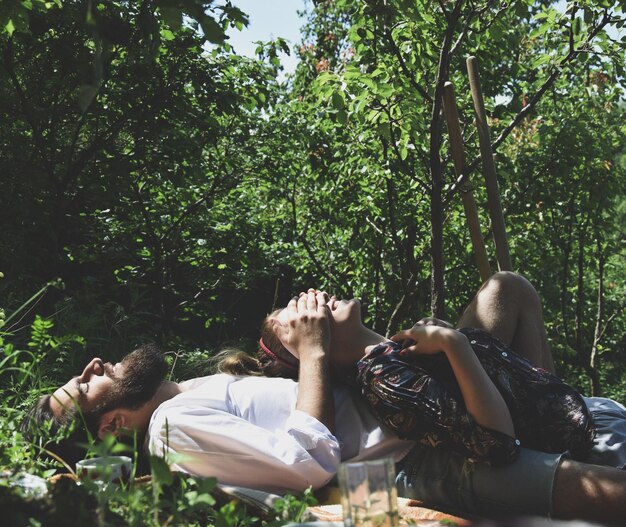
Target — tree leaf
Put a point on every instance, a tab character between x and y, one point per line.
86	94
173	17
338	101
160	470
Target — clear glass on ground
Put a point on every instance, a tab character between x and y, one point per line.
368	493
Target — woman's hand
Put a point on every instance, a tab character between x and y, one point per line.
427	339
307	329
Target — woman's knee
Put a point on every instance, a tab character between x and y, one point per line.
510	285
508	279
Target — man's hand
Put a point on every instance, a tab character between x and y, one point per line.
307	330
307	335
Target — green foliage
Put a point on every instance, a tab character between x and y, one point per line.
293	508
179	192
133	203
576	221
212	20
375	87
194	188
181	500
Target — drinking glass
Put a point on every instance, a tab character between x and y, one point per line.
368	493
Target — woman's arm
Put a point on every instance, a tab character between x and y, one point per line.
482	399
307	333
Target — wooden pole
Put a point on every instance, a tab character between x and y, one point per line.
467	196
489	169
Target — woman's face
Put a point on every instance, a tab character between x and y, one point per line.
344	317
343	313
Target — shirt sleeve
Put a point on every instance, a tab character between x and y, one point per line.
215	443
421	400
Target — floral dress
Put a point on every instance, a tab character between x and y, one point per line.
418	397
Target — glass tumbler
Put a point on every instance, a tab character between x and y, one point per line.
368	493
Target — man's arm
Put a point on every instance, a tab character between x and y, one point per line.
209	442
315	395
307	333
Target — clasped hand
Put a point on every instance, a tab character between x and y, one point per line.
428	336
307	329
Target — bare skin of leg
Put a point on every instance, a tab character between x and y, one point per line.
508	306
589	492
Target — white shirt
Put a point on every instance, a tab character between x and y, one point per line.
246	432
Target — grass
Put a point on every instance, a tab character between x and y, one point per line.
164	498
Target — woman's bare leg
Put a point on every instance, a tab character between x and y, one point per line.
589	492
508	307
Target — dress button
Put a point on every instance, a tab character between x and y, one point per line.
504	354
518	442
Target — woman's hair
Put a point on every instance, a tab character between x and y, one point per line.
277	362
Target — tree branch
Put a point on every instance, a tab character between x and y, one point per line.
436	167
571	26
617	312
442	5
28	112
462	35
410	77
549	82
193	207
470	18
311	253
410	171
86	154
401	305
533	101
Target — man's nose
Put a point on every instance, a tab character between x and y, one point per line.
95	367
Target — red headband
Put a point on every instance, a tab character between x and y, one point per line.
273	355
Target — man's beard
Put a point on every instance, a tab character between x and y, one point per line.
143	371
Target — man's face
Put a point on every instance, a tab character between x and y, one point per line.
104	386
86	389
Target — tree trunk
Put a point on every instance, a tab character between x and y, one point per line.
596	388
437	301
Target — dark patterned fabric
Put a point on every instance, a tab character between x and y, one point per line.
418	397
